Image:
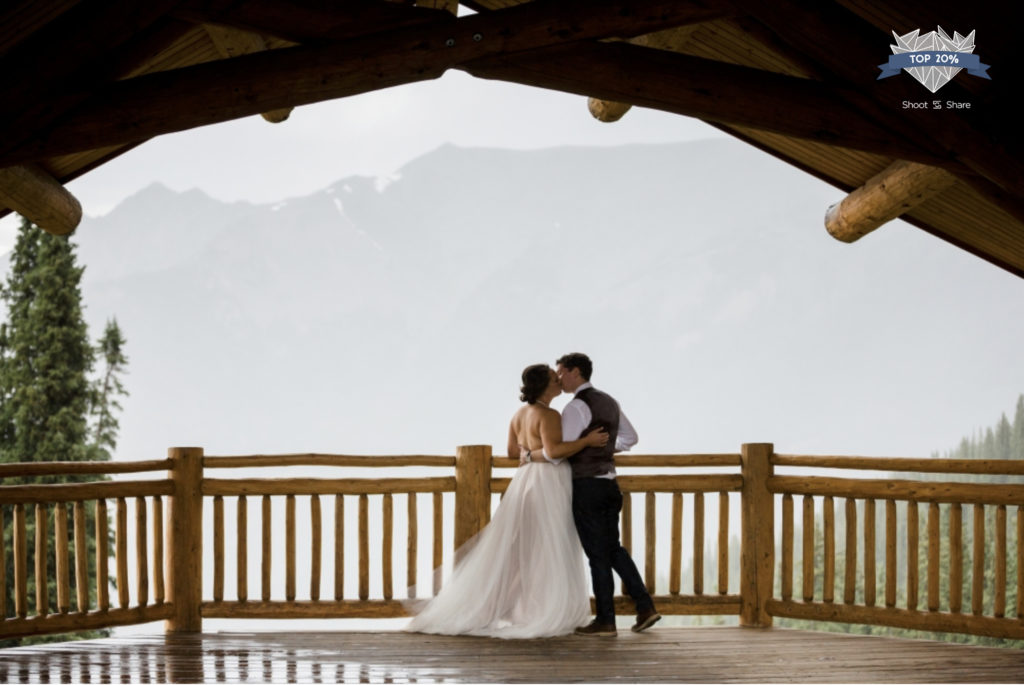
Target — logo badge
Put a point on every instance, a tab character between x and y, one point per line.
933	58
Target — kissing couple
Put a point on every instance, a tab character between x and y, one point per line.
522	576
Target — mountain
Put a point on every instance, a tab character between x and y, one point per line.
395	315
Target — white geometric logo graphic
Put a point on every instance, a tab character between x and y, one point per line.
933	58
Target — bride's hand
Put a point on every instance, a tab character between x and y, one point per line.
598	438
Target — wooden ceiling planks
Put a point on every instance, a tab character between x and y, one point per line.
831	46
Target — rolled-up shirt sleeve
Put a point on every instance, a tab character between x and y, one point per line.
627	436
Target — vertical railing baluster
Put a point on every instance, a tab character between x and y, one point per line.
438	540
81	558
698	543
808	548
412	540
627	529
676	565
121	553
242	549
387	514
723	543
913	528
20	544
158	549
890	553
218	548
999	601
42	574
956	558
1020	562
829	581
265	557
978	561
61	558
787	547
933	556
289	548
850	579
870	586
316	548
3	565
364	547
650	540
141	552
102	555
978	567
339	547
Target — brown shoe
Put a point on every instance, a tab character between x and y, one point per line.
599	629
645	620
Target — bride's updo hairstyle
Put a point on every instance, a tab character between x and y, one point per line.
535	381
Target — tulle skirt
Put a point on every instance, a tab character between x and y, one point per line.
522	576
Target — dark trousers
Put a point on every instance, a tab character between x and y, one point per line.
596	503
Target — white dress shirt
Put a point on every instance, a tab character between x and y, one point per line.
576	416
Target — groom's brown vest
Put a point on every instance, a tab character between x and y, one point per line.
604	410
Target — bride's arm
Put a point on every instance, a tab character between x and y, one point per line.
551	436
513	442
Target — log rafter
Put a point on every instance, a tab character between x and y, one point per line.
135	109
707	89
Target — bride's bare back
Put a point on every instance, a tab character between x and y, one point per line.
527	423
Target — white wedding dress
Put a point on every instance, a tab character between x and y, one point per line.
523	575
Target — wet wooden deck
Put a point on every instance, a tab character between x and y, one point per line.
703	654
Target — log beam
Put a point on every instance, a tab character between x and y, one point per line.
885	196
139	108
706	89
234	43
40	198
673	39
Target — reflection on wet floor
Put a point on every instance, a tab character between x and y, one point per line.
187	664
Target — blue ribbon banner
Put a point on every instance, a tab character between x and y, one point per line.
929	58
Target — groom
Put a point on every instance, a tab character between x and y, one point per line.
596	498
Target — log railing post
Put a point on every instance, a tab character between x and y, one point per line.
184	548
472	491
757	547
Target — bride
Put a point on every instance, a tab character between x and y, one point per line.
523	575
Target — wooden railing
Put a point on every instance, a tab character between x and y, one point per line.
352	522
911	502
92	608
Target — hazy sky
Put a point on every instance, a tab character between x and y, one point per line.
371	134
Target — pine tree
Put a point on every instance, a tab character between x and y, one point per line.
45	392
105	392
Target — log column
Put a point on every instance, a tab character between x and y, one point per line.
757	550
472	491
185	540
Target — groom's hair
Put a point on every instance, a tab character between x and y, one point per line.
577	360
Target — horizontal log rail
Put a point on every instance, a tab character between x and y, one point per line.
324	486
343	533
987	493
212	462
71	468
964	466
25	494
900	618
93	620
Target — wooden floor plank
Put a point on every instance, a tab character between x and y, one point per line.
681	655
